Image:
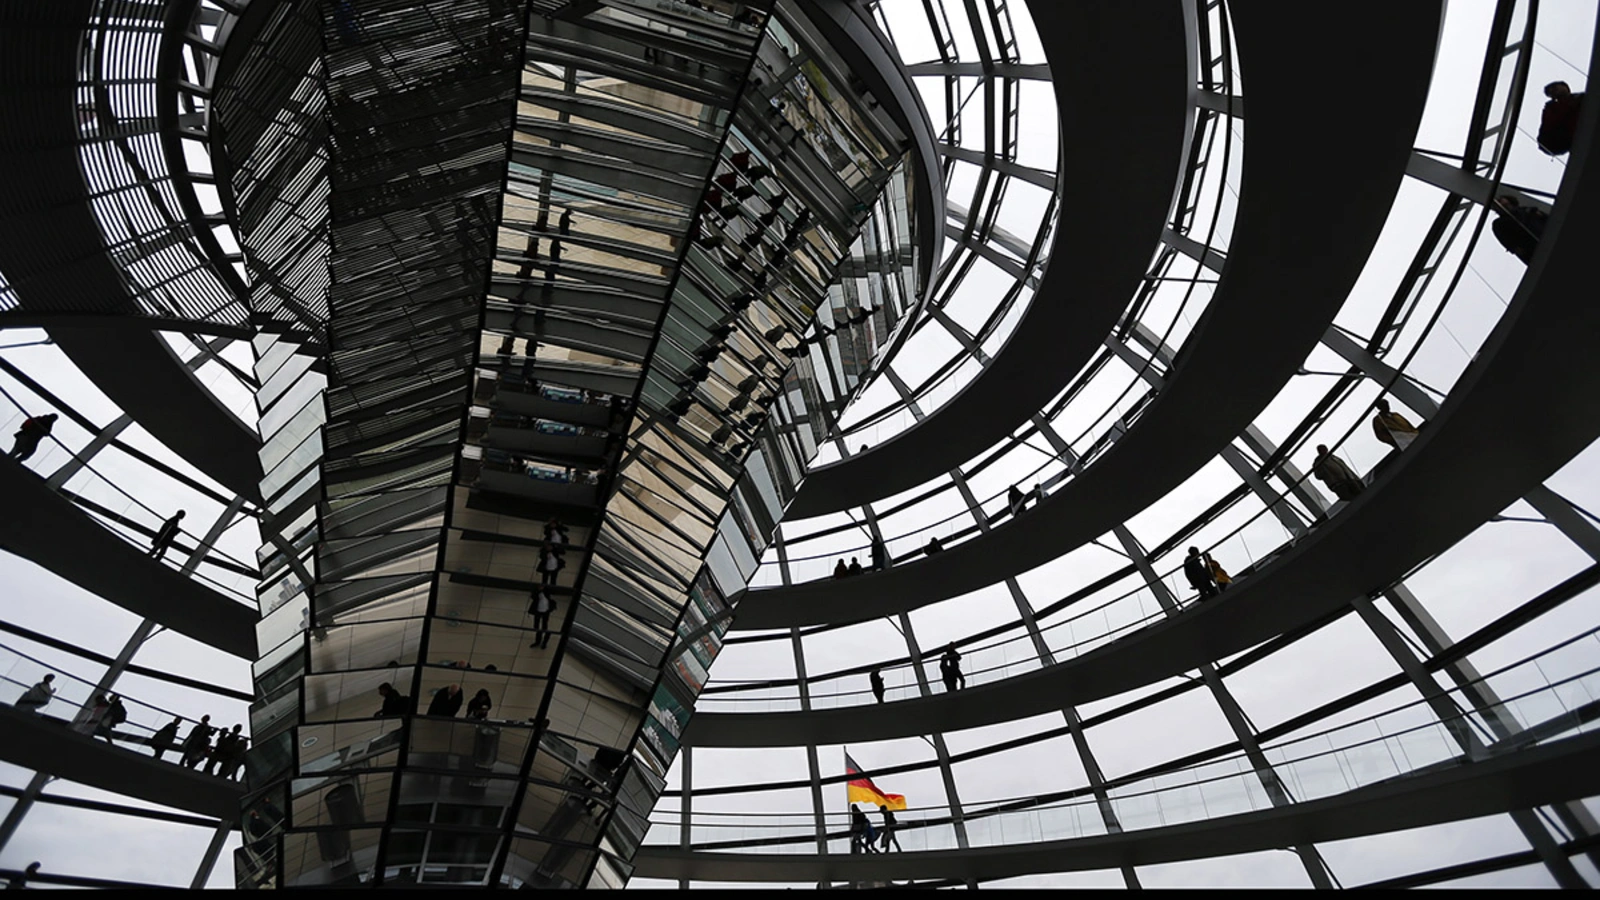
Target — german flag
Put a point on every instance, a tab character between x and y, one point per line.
861	789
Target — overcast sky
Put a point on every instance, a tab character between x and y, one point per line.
1496	568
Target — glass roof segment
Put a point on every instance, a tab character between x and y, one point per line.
1155	335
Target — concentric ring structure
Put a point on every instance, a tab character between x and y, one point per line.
623	442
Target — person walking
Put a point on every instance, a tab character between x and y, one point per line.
115	714
35	698
28	436
1337	474
480	704
197	745
91	721
164	537
863	838
880	555
1392	428
950	669
446	701
875	678
541	608
888	828
841	570
1199	574
1014	500
165	736
855	566
394	702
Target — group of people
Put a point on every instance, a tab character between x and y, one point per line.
949	672
446	701
1205	574
866	839
1017	501
107	712
552	559
1519	226
1388	426
843	571
880	561
224	757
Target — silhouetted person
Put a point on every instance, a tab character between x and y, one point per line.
91	723
888	828
1393	428
862	834
165	737
394	702
115	715
564	224
1014	499
480	704
1336	474
19	881
541	607
950	669
34	698
1518	228
841	570
30	433
875	677
228	754
1218	574
1199	574
197	743
855	566
880	555
446	701
934	546
1559	121
164	537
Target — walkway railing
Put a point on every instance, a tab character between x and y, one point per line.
1555	693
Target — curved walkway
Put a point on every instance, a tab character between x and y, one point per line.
46	528
52	255
47	745
1524	779
1536	368
1285	278
1122	75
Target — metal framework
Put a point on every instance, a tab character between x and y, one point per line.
609	277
